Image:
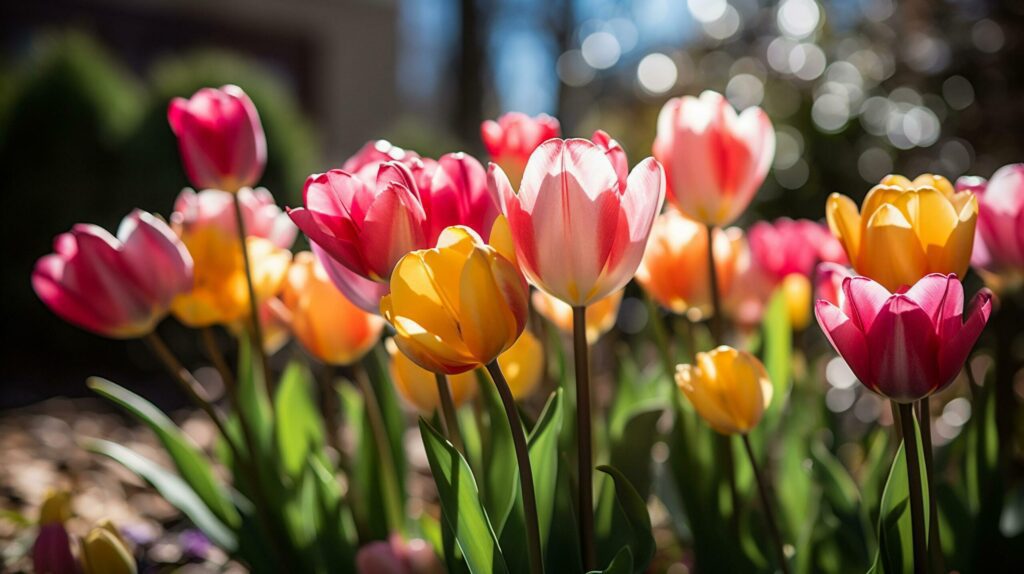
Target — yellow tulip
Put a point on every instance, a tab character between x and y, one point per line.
56	508
601	314
324	321
906	229
220	294
458	306
522	364
104	552
729	389
797	290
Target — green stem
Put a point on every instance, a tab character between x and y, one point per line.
715	324
451	419
924	418
660	337
769	514
331	409
525	469
254	314
914	481
585	458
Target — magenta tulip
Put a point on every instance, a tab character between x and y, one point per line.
119	287
578	235
714	159
786	246
512	139
458	195
905	346
51	552
367	161
999	240
211	207
220	138
366	228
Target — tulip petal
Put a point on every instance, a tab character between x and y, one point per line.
940	296
845	223
484	320
846	338
864	300
956	346
903	347
891	252
392	228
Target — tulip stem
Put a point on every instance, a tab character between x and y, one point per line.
525	469
254	315
214	353
769	514
914	481
585	461
451	419
660	337
924	419
715	324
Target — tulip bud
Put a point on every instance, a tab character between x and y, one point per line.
458	306
220	138
906	230
51	552
118	287
999	243
105	552
515	136
327	324
904	346
729	389
714	159
796	289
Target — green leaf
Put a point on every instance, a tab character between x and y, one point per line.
895	527
174	490
840	489
299	429
461	508
634	508
501	479
336	533
778	353
543	445
621	564
254	401
187	457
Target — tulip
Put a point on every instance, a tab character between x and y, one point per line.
367	161
455	307
715	160
906	230
578	235
458	195
51	552
362	292
512	139
327	324
904	346
729	389
260	214
220	138
786	246
118	287
219	294
601	314
796	289
674	270
828	282
104	552
365	228
999	241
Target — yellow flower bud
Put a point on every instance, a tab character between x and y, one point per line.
906	229
56	508
104	552
729	389
797	290
601	314
458	306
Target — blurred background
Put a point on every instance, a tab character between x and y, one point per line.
856	89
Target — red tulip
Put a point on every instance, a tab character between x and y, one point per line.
220	138
458	195
714	159
578	234
366	228
119	287
904	346
787	246
512	139
999	241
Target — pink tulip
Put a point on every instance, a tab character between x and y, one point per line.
714	159
366	228
787	246
51	552
458	195
367	161
905	346
515	135
999	240
211	207
220	138
362	292
119	287
828	282
397	556
578	234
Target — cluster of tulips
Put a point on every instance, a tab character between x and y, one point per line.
443	255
